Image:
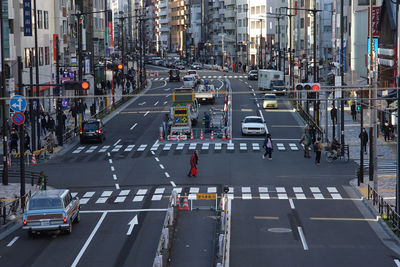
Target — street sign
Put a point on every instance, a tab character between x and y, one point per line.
18	118
206	196
18	103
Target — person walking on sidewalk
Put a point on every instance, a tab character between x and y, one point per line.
268	147
27	142
318	150
353	111
386	131
194	159
306	141
364	139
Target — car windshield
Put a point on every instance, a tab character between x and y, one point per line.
191	72
253	120
92	126
253	72
45	203
188	79
270	97
278	83
174	72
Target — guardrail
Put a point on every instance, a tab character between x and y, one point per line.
164	245
309	120
31	176
224	238
9	209
385	210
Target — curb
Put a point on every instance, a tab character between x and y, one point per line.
15	226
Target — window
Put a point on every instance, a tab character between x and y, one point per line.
263	9
253	41
46	56
253	10
40	56
239	23
270	25
365	2
40	19
46	19
253	25
302	23
270	9
27	57
257	9
302	3
239	8
33	61
258	24
301	44
64	27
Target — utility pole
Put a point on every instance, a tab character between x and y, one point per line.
398	117
21	140
60	123
36	58
31	103
341	78
3	102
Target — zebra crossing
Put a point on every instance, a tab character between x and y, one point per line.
244	192
205	77
204	146
384	167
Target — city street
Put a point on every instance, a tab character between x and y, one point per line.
287	211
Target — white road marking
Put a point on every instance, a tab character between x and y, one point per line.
300	196
108	153
141	192
173	184
114	177
332	190
74	194
142	148
112	168
146	113
88	194
167	175
124	192
133	126
168	95
246	196
121	211
318	196
106	193
129	148
12	241
315	189
138	198
116	143
212	190
262	116
303	239
116	148
89	240
282	196
178	190
161	166
101	200
336	196
165	102
159	191
119	199
152	152
264	196
83	201
397	262
291	204
280	190
297	189
156	159
194	190
117	186
246	190
258	105
110	161
155	104
263	189
104	148
156	197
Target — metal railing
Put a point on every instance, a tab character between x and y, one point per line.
9	208
385	210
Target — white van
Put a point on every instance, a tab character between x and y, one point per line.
189	81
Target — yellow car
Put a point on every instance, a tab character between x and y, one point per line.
270	101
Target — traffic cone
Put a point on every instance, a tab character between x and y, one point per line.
223	135
212	136
185	204
177	201
201	135
229	135
191	135
161	137
33	159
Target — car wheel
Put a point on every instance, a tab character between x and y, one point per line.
69	230
243	134
78	218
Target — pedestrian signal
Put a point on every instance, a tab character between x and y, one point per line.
76	85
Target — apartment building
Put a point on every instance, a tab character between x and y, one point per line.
177	25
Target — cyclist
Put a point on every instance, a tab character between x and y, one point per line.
335	146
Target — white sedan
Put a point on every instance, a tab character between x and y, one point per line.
254	125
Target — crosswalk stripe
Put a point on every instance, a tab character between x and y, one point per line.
280	146
141	192
243	146
167	147
256	146
246	196
205	146
156	197
280	190
264	196
192	146
154	147
231	196
336	196
246	190
101	200
116	148
88	194
297	189
159	191
231	189
129	148
282	196
83	201
74	194
217	146
194	190
332	189
231	146
124	192
142	148
178	190
104	148
138	198
119	199
106	193
293	147
315	189
211	190
300	196
263	189
318	196
180	146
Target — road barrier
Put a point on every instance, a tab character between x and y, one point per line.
224	238
9	207
385	210
164	245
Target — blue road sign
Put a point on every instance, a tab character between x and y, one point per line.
18	118
18	103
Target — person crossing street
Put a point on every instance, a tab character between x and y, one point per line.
318	150
194	160
306	141
268	147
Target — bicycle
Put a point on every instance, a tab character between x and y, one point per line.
330	156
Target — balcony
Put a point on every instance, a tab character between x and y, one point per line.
164	29
176	22
163	21
229	26
176	4
178	13
229	2
230	14
216	15
216	4
162	4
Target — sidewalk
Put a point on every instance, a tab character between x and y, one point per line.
386	153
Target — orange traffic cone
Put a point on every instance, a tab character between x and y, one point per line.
223	136
161	137
212	136
191	135
229	135
185	204
33	162
201	135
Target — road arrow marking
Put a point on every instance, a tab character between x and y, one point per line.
131	225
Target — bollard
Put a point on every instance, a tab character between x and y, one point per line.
4	213
223	217
220	245
173	202
165	234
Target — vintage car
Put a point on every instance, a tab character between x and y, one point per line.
51	210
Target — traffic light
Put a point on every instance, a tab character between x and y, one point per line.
307	86
115	67
76	85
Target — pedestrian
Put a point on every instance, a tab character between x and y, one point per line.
42	181
206	122
194	159
50	142
43	124
334	115
268	147
51	124
364	139
353	111
312	134
306	141
14	141
318	150
386	131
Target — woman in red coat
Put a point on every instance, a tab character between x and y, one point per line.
193	164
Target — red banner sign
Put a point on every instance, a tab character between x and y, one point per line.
55	46
376	13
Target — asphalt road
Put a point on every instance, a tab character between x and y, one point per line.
123	178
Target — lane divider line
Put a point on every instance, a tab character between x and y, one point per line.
155	104
133	126
116	143
157	159
291	204
112	168
114	177
108	154
110	161
302	237
162	166
12	241
397	262
166	174
173	184
117	186
146	113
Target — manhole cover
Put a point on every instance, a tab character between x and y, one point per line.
279	230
